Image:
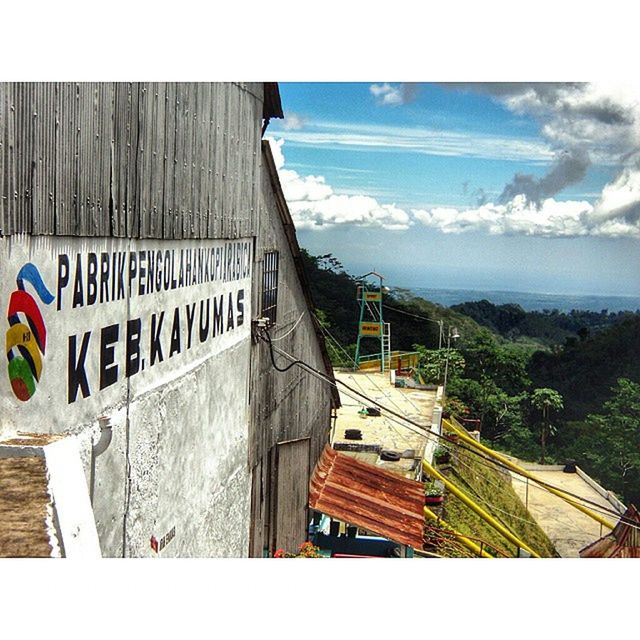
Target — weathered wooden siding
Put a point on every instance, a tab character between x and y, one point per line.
290	405
139	160
284	406
292	494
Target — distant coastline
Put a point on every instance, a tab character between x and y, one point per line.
530	301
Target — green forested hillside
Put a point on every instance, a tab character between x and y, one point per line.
585	371
549	327
334	294
542	386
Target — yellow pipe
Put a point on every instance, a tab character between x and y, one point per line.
459	430
490	520
465	541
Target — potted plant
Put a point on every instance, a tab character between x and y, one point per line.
441	455
433	494
305	550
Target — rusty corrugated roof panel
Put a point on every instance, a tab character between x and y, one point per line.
368	497
622	542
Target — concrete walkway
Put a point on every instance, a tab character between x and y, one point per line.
384	431
568	528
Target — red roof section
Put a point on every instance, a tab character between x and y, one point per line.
622	542
368	497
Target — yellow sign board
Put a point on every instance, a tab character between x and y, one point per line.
370	329
372	296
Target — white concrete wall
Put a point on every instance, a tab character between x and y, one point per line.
176	469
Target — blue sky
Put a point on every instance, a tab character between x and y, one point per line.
528	187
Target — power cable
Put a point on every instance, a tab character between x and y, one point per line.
337	343
370	378
595	506
428	433
373	381
355	394
290	330
490	504
373	313
421	428
273	361
413	315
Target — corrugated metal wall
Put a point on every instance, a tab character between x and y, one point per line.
288	405
140	160
284	406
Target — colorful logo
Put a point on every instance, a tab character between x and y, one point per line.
26	338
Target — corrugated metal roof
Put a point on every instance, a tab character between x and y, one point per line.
368	497
622	542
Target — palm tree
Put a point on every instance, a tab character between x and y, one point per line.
546	400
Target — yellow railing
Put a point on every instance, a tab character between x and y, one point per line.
463	539
406	360
453	425
476	508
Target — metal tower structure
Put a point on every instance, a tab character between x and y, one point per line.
371	323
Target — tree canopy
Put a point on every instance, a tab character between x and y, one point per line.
539	385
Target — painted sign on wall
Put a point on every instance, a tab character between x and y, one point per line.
90	322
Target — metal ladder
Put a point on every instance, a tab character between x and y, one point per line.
386	347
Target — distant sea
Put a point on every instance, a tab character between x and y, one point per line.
531	301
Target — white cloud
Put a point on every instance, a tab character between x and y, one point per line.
276	151
392	95
348	210
293	121
552	219
602	117
304	189
591	122
517	217
387	94
314	204
421	140
620	198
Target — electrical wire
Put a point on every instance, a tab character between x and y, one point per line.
595	506
290	330
273	361
413	315
386	396
386	418
421	428
357	395
490	504
370	378
374	314
598	507
368	375
429	433
373	381
324	329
